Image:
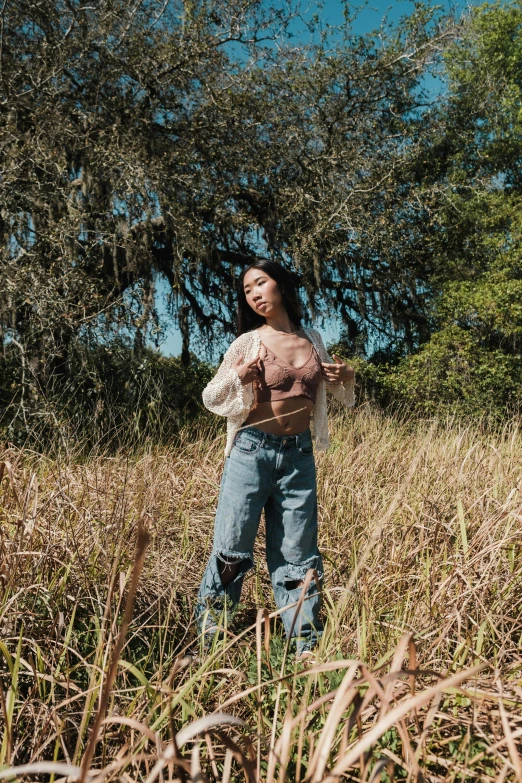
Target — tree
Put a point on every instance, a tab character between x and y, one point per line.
138	142
106	160
180	139
473	359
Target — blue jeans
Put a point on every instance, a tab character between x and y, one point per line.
277	473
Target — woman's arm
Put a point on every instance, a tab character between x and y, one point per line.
225	395
342	391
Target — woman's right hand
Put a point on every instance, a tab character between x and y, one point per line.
247	371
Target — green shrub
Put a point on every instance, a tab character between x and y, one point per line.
452	372
106	395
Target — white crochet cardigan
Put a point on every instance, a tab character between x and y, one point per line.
227	396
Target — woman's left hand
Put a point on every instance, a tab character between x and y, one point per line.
338	372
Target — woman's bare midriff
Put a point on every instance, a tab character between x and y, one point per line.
287	418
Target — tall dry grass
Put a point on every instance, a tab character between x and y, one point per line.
418	675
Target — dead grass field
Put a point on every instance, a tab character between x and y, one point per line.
419	673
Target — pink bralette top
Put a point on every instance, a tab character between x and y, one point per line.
278	380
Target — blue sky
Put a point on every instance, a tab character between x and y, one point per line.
369	18
371	14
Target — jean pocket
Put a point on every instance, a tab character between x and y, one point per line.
307	448
247	445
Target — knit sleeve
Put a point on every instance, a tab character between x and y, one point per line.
225	395
344	392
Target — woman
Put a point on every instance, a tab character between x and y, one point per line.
272	379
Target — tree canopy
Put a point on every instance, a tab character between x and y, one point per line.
177	140
474	353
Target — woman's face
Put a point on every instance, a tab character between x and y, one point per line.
262	292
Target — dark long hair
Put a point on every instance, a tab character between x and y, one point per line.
288	282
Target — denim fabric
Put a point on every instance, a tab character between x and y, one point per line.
277	473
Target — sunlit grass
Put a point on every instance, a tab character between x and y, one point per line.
420	534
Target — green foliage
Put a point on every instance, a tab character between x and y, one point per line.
453	372
112	396
483	67
473	359
172	144
173	141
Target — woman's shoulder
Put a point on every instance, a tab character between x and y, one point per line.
317	341
246	337
314	334
243	341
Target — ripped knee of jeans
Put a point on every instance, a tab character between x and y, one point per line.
293	584
295	573
230	566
